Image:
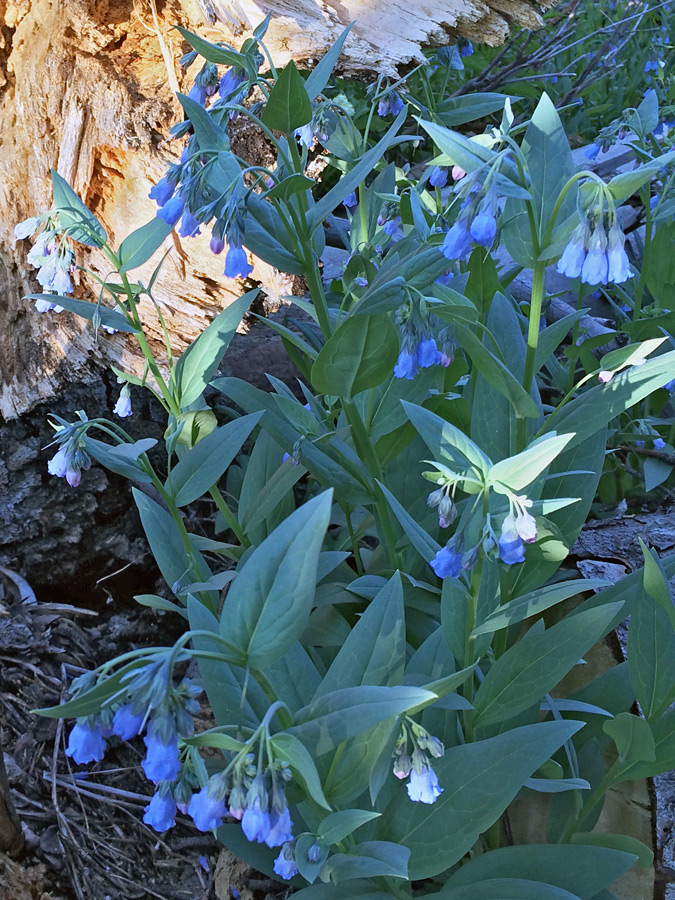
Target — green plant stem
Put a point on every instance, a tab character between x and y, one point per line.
363	214
575	338
285	719
354	543
229	516
589	804
640	289
366	451
536	302
172	406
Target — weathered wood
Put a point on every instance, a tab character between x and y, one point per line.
88	88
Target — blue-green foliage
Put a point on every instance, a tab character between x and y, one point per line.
383	588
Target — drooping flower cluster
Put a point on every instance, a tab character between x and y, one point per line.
423	786
518	527
477	221
51	254
390	105
596	254
71	459
154	705
419	349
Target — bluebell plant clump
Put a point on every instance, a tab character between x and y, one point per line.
414	747
328	651
51	254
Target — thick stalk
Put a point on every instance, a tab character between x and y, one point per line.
640	289
536	302
229	516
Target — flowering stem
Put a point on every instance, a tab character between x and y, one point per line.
229	516
363	214
640	289
282	712
536	301
590	802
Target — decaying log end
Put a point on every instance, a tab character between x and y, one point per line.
386	33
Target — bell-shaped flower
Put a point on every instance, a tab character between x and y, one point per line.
162	192
284	865
172	210
618	264
447	563
483	229
207	808
350	200
406	365
427	353
161	762
511	549
123	406
572	260
281	828
236	263
86	744
255	822
58	464
189	225
160	813
457	241
423	786
596	265
27	228
126	724
438	177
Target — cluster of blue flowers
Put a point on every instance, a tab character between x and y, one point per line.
596	255
390	105
423	786
52	255
477	222
419	349
71	459
518	527
184	194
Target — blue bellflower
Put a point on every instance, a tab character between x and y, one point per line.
281	828
438	177
126	724
305	134
447	563
483	229
162	192
255	822
511	549
172	210
406	365
86	744
423	787
123	406
236	263
161	761
427	353
207	811
457	241
160	813
285	865
350	200
596	265
574	254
